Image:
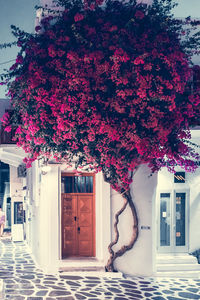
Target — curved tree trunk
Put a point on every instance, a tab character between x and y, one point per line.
113	255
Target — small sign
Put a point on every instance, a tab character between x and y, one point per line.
164	214
145	227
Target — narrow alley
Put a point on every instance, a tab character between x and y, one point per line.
23	280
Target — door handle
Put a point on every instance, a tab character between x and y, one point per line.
78	229
75	218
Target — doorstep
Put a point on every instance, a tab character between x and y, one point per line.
82	265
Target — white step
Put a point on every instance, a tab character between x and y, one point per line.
188	274
81	269
100	274
176	259
81	265
178	267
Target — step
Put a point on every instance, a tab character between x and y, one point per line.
178	267
81	265
176	259
188	274
99	274
81	269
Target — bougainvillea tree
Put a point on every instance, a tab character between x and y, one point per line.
106	86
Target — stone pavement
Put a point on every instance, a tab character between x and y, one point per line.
23	280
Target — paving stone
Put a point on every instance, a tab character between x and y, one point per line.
71	277
80	297
144	282
73	283
28	276
147	294
174	298
35	298
67	298
186	295
135	295
128	286
56	287
39	286
26	292
168	292
114	290
11	291
42	293
193	290
15	297
59	293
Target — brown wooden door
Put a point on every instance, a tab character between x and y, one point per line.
78	224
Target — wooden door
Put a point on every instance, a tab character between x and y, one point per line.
77	221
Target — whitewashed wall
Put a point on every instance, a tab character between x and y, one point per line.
43	223
139	260
32	212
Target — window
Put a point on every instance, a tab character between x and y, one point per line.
77	184
179	177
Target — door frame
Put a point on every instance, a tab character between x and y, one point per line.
173	249
72	174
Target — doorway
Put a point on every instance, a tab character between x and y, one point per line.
173	222
78	215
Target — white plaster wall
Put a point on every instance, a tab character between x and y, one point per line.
103	218
139	260
42	216
34	211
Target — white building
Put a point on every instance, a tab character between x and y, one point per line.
68	222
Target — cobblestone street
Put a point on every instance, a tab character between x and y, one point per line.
23	280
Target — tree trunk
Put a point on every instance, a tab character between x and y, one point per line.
113	255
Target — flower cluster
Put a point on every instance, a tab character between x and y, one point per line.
106	84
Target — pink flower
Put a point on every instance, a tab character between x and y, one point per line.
18	130
37	28
113	28
52	51
19	59
139	15
138	61
78	17
8	128
5	118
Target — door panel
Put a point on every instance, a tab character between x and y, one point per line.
69	231
180	219
85	218
173	222
165	219
78	217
